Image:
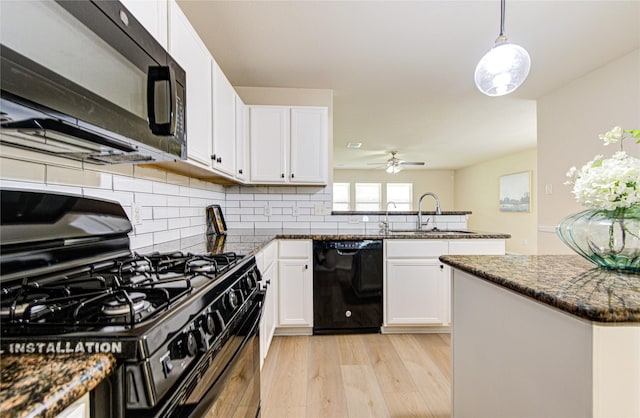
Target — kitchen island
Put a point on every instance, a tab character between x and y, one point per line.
544	336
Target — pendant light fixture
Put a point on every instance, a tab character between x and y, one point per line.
505	67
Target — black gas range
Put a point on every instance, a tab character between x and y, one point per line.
175	322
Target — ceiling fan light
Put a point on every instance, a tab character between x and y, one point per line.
503	69
390	169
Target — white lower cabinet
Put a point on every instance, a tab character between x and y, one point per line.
295	287
417	286
416	283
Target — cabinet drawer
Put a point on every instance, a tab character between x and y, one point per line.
476	247
414	248
294	249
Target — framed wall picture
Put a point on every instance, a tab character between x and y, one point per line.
515	192
215	221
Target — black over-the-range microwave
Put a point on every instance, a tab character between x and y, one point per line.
85	80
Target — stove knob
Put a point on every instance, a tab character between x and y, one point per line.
231	300
186	345
191	344
209	323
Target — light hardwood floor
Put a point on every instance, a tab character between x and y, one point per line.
358	375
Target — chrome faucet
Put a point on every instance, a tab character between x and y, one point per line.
438	212
385	223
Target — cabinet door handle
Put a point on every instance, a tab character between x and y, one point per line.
240	171
292	175
306	267
282	175
219	159
213	157
441	267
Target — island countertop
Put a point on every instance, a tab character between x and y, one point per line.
42	385
566	282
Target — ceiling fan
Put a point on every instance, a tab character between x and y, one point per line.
394	165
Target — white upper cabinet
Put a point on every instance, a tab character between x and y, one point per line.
269	136
308	145
186	47
242	140
152	14
223	157
288	144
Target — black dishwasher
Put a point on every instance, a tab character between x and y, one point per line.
347	286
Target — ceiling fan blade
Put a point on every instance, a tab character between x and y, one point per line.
412	163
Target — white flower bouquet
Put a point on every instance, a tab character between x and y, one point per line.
609	183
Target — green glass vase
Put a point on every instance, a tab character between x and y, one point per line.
608	238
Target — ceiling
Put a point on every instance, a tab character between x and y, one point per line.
402	72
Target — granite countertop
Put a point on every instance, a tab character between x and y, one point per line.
567	282
42	385
249	241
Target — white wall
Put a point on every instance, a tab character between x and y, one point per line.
477	188
569	121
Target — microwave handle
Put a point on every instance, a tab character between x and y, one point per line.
157	74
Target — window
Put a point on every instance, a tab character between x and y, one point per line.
341	196
401	194
368	196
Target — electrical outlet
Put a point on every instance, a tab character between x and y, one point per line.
267	211
136	213
548	189
295	211
318	209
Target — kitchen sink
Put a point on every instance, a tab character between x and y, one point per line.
429	232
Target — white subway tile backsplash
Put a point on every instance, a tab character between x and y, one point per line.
192	231
324	225
124	198
238	196
263	225
189	211
165	236
296	225
165	212
177	201
177	223
237	211
166	189
262	197
151	226
140	241
296	197
150	199
130	184
282	190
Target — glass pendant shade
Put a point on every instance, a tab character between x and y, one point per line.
503	69
393	169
